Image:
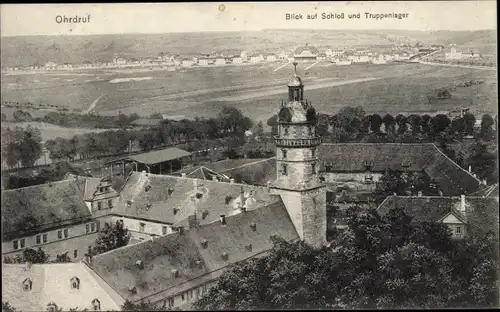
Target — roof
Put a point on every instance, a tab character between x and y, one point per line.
147	122
295	81
43	206
51	283
185	253
451	178
171	199
160	156
306	48
480	213
256	173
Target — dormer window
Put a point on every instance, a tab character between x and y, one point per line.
52	307
75	283
253	226
204	243
248	247
27	284
147	188
96	304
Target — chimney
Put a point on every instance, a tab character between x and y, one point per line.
27	266
175	273
214	178
394	194
462	203
470	168
183	174
181	230
484	182
195	184
139	264
143	171
268	186
419	194
223	219
231	180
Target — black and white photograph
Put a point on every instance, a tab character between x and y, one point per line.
249	156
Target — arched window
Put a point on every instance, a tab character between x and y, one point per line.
96	304
75	282
52	307
27	284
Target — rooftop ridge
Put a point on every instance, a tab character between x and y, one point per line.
389	143
252	163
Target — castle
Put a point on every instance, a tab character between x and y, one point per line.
187	229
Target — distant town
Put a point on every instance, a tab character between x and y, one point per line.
309	53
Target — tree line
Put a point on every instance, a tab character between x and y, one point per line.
24	145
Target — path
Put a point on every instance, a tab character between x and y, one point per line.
312	65
281	67
463	66
92	106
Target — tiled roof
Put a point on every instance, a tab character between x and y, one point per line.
155	197
163	155
256	173
52	283
187	255
43	206
480	213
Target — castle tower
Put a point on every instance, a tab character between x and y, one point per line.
297	162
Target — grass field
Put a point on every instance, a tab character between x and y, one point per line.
257	89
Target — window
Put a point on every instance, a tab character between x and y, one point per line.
171	302
16	245
182	297
313	152
283	171
458	230
142	226
44	238
52	307
285	130
313	168
59	234
65	233
38	239
99	205
92	227
284	153
27	284
87	228
75	253
75	283
110	203
164	230
22	242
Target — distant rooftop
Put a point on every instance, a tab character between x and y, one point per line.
160	156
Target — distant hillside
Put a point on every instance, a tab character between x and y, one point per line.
29	50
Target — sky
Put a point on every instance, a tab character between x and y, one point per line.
116	18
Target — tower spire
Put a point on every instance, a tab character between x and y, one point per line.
295	68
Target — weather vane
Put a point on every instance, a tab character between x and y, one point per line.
295	68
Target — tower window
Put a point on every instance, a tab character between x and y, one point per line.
313	152
284	153
313	168
285	130
110	203
284	170
142	226
99	205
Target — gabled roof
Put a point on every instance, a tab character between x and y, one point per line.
160	156
51	283
154	197
186	254
43	206
451	178
204	173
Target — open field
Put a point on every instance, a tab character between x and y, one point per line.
256	89
50	132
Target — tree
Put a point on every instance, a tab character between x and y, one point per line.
483	163
21	145
486	132
469	122
389	123
401	122
144	306
375	123
21	116
273	123
4	117
233	121
156	116
416	124
259	129
322	125
35	256
426	127
112	236
6	307
440	123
